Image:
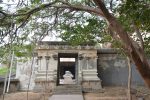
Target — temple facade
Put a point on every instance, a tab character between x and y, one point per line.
89	67
62	64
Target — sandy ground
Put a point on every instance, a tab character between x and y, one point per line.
108	93
23	96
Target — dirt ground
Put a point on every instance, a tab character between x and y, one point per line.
119	93
108	93
23	96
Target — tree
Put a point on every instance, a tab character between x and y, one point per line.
55	13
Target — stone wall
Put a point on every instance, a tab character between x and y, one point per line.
14	86
85	67
113	69
25	73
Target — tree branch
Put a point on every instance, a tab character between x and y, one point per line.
5	14
64	5
135	52
86	8
83	8
139	35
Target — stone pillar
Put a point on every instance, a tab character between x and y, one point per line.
43	64
90	81
47	67
46	76
39	62
54	65
80	58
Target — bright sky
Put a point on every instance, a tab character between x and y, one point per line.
10	5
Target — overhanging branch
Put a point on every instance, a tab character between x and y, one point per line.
63	5
81	8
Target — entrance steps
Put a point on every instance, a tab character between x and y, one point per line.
106	98
68	89
67	92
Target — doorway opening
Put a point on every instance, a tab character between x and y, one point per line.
67	68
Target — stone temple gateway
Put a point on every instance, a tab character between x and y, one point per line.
57	58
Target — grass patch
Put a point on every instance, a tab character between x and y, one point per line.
4	70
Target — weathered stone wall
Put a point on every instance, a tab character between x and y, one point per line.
14	86
25	73
49	54
113	69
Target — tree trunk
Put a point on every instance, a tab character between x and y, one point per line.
129	79
10	70
133	50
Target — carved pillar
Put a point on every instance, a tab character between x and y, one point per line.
47	65
55	64
87	62
80	58
90	79
47	61
39	62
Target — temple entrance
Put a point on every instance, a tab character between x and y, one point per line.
67	68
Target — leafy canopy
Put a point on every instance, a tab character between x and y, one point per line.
75	21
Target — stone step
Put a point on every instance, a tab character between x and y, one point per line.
66	97
106	98
67	92
64	88
68	89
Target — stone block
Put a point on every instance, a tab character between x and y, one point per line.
66	97
91	86
44	86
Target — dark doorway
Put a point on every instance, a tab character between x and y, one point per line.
67	66
66	62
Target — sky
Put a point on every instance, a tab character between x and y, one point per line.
10	5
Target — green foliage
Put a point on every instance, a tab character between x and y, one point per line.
135	12
23	51
77	26
35	1
20	19
3	71
5	23
147	45
90	31
23	10
1	8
